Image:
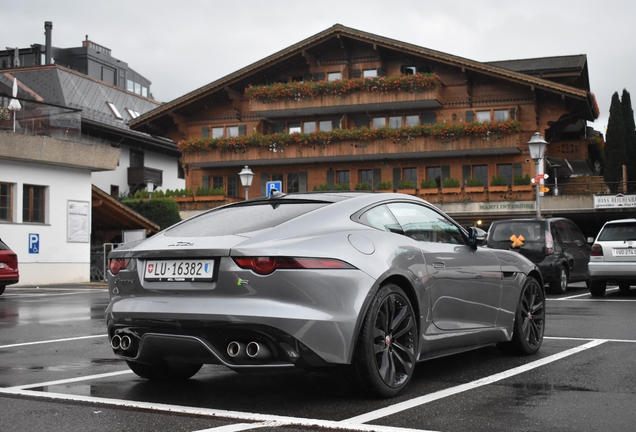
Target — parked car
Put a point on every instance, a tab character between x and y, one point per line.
9	273
613	257
556	245
368	283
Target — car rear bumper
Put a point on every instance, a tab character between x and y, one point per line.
612	271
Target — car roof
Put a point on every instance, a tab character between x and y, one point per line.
618	221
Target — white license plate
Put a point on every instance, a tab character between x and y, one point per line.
624	252
179	270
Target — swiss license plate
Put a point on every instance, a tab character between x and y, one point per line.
179	270
624	252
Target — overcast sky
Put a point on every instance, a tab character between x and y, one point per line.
183	45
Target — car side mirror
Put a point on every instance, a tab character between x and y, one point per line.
476	236
590	240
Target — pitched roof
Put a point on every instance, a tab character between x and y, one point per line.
534	66
340	30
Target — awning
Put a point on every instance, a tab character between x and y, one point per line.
568	167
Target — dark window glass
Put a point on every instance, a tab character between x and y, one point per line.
33	204
114	191
342	177
217	182
136	158
481	172
232	186
618	232
5	201
434	173
241	219
366	176
410	174
505	170
292	182
531	231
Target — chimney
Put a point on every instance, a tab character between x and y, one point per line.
48	30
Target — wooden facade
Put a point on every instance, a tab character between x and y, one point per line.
469	120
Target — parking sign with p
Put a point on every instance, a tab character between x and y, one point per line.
34	243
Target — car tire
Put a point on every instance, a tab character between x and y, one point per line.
529	325
597	287
166	371
624	286
560	286
2	287
386	350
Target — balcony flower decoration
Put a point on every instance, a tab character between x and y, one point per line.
342	87
240	144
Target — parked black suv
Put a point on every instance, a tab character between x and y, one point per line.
555	245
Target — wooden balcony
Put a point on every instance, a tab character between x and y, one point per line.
350	150
353	102
142	175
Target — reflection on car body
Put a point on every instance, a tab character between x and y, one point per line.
366	282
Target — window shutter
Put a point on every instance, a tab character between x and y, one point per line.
516	168
470	116
205	132
320	76
381	72
428	118
356	73
445	173
403	70
242	129
513	113
302	181
264	180
397	176
330	176
205	182
377	177
465	173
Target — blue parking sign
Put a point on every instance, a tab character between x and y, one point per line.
273	185
34	243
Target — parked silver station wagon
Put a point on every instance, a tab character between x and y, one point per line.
368	283
613	257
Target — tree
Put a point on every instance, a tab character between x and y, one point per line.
614	145
630	135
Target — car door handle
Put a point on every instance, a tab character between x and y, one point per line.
438	264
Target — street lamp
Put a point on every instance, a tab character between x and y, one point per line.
246	177
537	146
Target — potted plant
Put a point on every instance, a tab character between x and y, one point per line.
521	183
386	186
406	187
451	186
474	185
362	186
209	194
429	187
498	184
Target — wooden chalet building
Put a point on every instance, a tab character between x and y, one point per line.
345	109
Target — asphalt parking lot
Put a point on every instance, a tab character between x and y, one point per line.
57	372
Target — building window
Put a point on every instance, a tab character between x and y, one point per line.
325	125
217	132
217	182
180	171
205	132
505	170
370	73
232	186
412	120
137	88
365	176
292	182
333	76
136	158
130	85
481	172
379	122
410	174
434	173
409	70
232	131
132	113
114	191
114	110
144	91
6	202
395	122
501	115
33	203
309	127
483	116
278	177
294	128
342	178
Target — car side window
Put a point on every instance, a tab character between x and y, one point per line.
577	235
564	231
381	218
424	224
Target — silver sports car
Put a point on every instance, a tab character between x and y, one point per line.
369	283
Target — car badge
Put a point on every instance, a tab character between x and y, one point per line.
241	282
182	243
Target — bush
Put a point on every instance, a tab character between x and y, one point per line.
429	184
406	184
341	187
387	185
450	183
141	194
521	180
474	182
363	186
322	187
201	191
498	181
163	212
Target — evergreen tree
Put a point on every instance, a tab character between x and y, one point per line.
630	136
614	145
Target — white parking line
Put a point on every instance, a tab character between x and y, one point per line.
53	341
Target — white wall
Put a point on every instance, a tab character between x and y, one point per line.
119	176
58	261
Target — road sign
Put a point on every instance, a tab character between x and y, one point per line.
273	185
34	243
544	189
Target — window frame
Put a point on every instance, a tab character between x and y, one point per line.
8	195
29	198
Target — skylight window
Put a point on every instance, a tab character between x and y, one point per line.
132	114
115	111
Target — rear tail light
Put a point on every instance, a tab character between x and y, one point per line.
116	264
549	244
597	250
267	265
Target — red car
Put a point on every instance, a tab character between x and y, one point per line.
9	273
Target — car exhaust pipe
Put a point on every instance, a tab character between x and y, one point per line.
256	350
236	349
126	342
115	342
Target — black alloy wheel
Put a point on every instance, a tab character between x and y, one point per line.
386	351
529	325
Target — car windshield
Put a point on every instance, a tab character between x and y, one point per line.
242	219
618	232
531	231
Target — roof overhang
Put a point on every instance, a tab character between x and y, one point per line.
108	214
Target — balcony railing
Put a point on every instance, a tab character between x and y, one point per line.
142	175
40	119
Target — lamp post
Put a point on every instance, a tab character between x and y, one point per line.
246	176
537	146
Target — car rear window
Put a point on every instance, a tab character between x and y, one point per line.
618	232
3	246
241	219
531	231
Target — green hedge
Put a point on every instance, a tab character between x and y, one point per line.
163	212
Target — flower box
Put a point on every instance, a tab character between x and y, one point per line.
406	191
474	189
182	199
429	191
209	198
522	188
452	190
492	188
